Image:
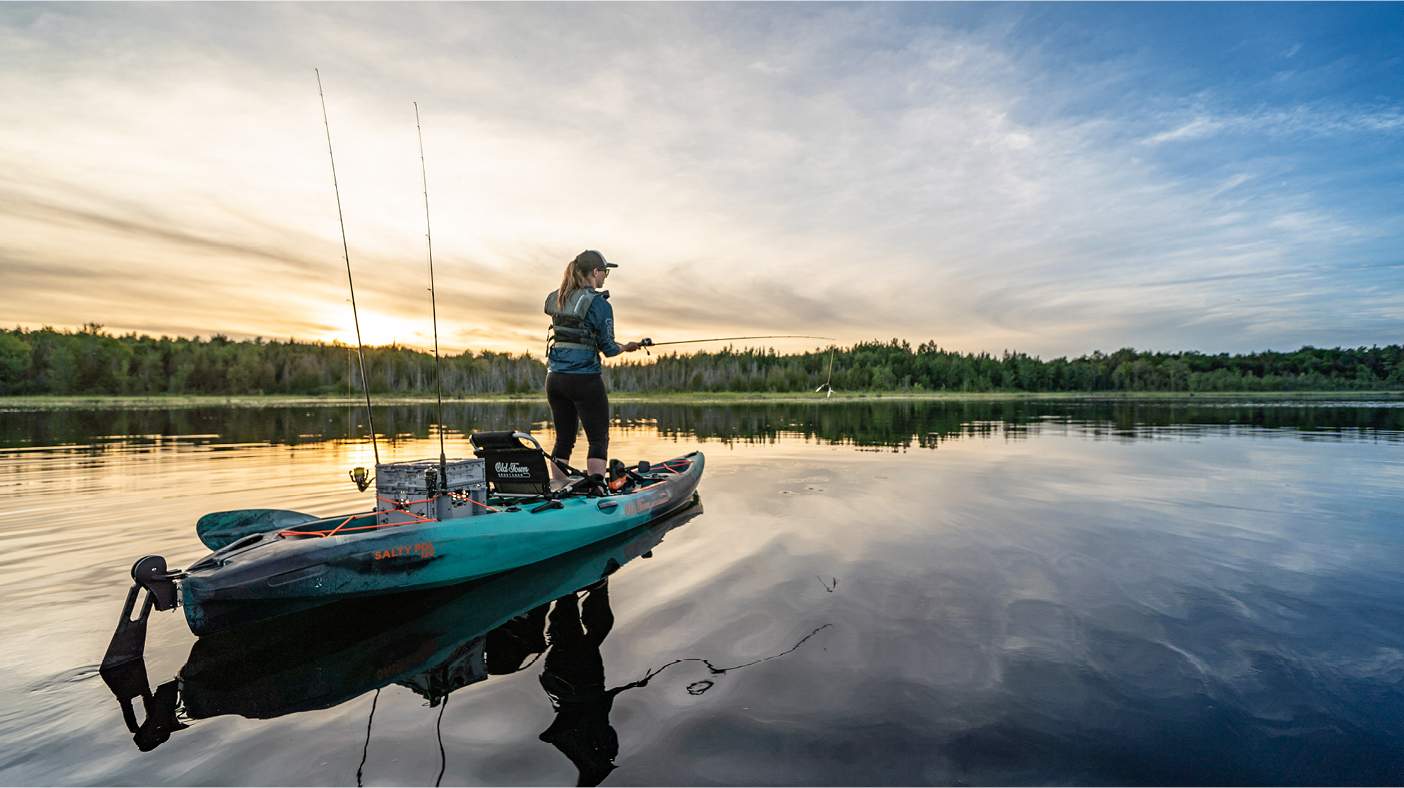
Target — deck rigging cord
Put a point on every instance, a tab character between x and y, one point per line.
434	306
346	251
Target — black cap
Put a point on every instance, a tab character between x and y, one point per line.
590	260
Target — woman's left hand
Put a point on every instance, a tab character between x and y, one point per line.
630	347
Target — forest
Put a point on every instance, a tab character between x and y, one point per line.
93	361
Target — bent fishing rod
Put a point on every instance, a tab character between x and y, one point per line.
433	303
647	343
346	251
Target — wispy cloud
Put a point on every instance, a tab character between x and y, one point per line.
837	169
1198	124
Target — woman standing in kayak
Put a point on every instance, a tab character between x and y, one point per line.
582	327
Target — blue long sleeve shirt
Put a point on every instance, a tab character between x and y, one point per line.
599	321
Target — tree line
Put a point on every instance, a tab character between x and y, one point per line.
93	361
898	424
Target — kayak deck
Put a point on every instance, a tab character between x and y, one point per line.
311	563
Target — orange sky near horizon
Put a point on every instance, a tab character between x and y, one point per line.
947	173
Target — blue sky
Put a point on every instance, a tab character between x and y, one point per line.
1052	178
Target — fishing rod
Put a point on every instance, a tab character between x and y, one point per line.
650	343
433	303
647	343
346	251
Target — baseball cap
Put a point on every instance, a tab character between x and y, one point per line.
590	260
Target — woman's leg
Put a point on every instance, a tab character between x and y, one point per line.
560	396
593	408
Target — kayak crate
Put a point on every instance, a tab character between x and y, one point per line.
403	487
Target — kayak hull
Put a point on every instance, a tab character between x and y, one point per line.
278	572
325	657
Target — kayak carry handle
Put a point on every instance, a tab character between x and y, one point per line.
151	573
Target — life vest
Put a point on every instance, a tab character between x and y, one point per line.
568	324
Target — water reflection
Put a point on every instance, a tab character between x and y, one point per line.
433	642
574	679
876	422
1108	593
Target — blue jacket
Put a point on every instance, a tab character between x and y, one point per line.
599	321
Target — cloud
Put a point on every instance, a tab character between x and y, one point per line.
854	171
1301	120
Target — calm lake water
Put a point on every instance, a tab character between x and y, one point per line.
880	593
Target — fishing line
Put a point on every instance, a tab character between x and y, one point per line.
433	303
366	748
346	251
830	379
439	729
716	671
350	427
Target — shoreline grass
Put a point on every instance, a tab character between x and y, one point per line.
176	401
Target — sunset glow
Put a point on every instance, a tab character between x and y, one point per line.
1052	178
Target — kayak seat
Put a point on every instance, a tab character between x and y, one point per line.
513	467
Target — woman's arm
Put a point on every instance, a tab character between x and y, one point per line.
601	321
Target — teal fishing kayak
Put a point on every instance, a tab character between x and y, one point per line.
306	564
434	641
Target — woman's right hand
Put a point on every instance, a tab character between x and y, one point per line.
630	347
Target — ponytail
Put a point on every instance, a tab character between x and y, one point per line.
573	280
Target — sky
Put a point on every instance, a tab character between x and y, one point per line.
1045	178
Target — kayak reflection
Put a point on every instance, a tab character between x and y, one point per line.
433	641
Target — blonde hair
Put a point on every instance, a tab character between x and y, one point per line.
574	279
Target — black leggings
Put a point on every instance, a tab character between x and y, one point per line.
577	399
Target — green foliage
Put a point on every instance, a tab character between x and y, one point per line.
93	361
14	359
895	366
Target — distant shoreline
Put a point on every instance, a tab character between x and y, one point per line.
80	402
